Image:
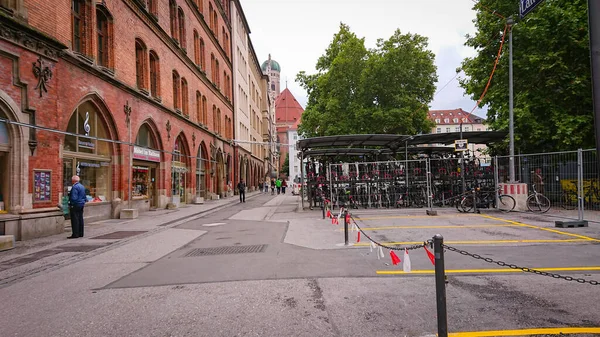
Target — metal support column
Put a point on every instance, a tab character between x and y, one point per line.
580	204
496	181
440	286
302	189
511	117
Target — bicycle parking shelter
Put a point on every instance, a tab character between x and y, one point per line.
377	178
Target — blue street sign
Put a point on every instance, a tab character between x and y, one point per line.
526	6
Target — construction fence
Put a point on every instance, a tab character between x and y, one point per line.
567	180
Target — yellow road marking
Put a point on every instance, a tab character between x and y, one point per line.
478	271
477	242
441	226
527	332
414	216
542	228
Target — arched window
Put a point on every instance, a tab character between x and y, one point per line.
173	18
152	7
204	111
79	22
214	118
201	171
216	24
224	38
103	37
181	24
218	76
198	107
144	137
184	97
154	74
212	68
140	64
196	48
211	17
202	58
176	91
85	156
219	130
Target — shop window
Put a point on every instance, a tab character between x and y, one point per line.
85	156
179	171
143	172
154	75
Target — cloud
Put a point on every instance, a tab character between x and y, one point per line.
296	33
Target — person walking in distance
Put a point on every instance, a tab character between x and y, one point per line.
242	189
278	185
538	181
272	186
77	201
283	186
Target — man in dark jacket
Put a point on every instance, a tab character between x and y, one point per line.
242	189
77	200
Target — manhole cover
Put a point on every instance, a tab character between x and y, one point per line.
226	250
118	235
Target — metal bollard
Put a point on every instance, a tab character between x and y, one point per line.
323	208
346	227
440	286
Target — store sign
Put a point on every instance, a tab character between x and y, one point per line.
460	145
87	145
143	153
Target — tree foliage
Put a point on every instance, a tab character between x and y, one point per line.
551	66
285	168
359	91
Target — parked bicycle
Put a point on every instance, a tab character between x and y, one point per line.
487	199
537	202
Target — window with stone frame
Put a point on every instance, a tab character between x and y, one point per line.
204	111
141	64
181	28
152	7
219	126
198	107
176	91
211	17
213	69
199	5
218	76
214	108
154	74
184	97
104	37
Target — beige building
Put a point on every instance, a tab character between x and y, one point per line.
447	121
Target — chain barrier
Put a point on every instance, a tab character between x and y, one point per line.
396	248
525	269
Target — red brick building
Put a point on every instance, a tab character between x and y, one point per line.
287	113
104	74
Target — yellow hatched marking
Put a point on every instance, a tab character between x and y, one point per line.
440	226
542	228
481	271
527	332
478	242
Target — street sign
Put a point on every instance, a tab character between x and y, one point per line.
526	6
460	145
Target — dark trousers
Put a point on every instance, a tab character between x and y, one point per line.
283	189
243	196
77	221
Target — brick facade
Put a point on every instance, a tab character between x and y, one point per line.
44	32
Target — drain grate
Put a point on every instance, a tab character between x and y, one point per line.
118	235
226	250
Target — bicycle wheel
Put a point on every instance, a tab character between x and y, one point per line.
569	201
467	204
538	203
506	203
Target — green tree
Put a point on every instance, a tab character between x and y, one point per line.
285	168
361	91
552	79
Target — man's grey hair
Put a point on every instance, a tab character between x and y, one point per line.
75	179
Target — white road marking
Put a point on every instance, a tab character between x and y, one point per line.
213	224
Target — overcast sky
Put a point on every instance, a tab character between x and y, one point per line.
297	32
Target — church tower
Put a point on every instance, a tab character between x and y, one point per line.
271	68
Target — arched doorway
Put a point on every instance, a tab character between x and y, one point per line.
201	167
4	164
180	171
146	159
87	157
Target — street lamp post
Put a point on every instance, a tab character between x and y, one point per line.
511	126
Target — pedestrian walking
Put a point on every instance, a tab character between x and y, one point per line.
242	189
283	186
538	181
278	185
267	183
272	186
77	200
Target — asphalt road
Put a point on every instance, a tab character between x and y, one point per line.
296	279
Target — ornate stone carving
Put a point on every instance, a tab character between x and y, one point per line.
43	75
29	42
127	110
169	129
194	139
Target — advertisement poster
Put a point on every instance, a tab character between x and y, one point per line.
41	186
